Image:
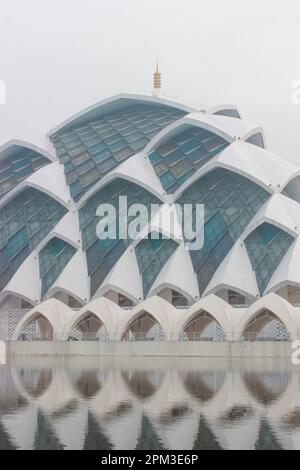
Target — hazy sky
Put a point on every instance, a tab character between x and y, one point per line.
59	56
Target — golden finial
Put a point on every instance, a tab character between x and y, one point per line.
157	78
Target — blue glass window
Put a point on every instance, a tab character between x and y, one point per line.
24	222
102	254
18	167
184	154
152	254
227	213
53	258
109	140
266	246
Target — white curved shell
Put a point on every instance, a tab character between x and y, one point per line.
235	272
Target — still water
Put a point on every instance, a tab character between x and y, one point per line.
149	403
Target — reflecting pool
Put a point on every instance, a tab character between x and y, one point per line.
149	403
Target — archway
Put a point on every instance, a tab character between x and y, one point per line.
144	327
89	328
203	327
37	328
265	326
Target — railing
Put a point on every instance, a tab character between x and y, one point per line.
88	336
194	336
151	337
143	336
240	305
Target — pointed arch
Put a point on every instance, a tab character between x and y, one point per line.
162	311
89	327
215	309
141	328
89	319
35	326
259	321
199	323
277	307
55	312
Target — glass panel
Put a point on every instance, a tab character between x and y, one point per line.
184	154
226	217
266	246
25	221
110	140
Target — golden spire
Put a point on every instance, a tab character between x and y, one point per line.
157	78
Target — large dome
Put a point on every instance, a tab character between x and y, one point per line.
152	150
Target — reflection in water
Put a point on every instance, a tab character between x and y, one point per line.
35	382
203	385
142	384
237	413
88	384
157	403
267	387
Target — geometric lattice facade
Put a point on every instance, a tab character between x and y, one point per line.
230	202
91	151
53	259
152	254
18	167
266	247
24	222
177	160
157	153
102	255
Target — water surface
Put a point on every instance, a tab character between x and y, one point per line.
149	403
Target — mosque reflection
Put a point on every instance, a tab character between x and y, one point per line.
138	403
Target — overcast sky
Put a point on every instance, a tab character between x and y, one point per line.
59	56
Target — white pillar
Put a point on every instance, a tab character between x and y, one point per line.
2	352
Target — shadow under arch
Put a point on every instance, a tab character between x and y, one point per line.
144	326
202	326
265	326
88	327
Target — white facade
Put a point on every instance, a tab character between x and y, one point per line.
69	289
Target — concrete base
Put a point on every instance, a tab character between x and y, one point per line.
151	349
